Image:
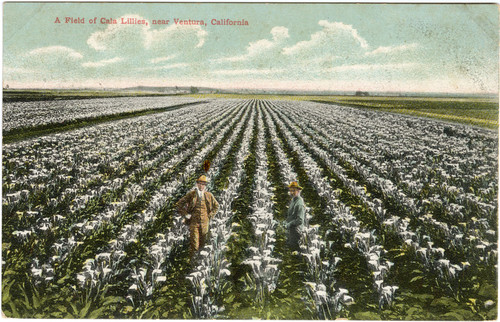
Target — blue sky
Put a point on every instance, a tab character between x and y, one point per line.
374	47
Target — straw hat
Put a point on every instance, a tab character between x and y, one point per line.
203	178
295	185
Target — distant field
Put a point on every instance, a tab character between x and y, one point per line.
43	95
25	119
474	111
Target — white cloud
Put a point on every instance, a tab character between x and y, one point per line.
248	71
258	47
171	66
156	68
336	41
241	58
44	64
392	49
335	38
279	33
55	53
176	38
103	62
336	52
16	70
134	39
53	60
263	49
373	67
162	59
120	37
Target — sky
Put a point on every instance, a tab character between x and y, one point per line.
451	48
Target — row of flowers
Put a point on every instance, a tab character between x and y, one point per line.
44	225
87	183
360	238
459	169
264	266
353	185
156	151
39	159
154	273
31	114
209	277
113	212
80	199
328	298
476	255
471	243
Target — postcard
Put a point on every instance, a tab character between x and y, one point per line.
284	161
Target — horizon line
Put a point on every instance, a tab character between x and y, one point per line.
496	94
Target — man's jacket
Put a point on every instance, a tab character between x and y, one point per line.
186	205
296	212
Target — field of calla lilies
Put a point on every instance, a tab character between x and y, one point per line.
401	214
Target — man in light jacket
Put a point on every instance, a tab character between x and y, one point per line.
198	206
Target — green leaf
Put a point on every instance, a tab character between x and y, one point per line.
62	280
164	301
420	297
127	309
416	278
10	272
62	308
69	316
446	302
113	300
186	315
492	314
36	299
487	290
27	302
6	291
13	308
85	310
366	316
414	311
148	313
97	313
229	299
459	314
56	315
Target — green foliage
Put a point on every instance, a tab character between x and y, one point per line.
487	290
476	111
367	316
422	296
